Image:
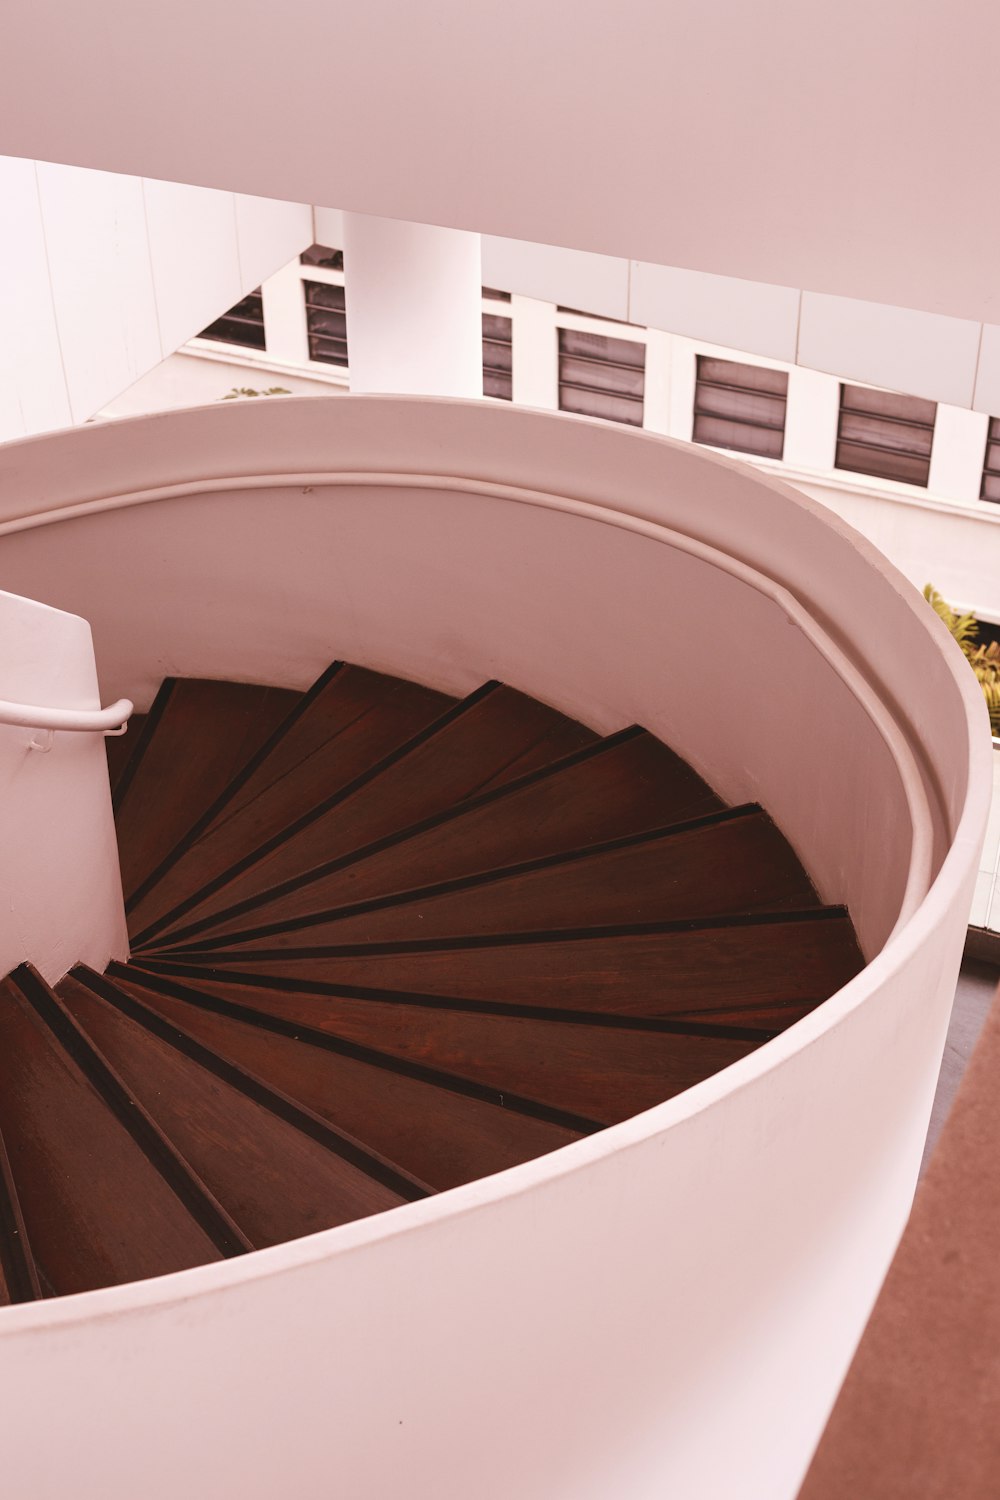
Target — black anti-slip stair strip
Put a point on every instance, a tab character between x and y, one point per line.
387	1061
255	856
235	785
471	882
374	1165
155	714
342	862
200	1203
17	1264
509	939
602	1020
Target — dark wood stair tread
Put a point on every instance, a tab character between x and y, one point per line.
387	942
442	1136
729	863
97	1210
120	748
378	715
481	742
607	1072
276	1181
563	737
205	732
651	970
629	784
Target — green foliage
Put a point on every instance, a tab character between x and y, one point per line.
246	390
984	660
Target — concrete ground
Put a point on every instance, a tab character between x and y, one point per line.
977	986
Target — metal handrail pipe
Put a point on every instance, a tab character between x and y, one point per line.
110	720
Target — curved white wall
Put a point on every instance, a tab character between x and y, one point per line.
668	1307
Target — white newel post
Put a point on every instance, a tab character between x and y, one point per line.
60	886
414	307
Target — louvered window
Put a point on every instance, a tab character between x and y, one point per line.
323	255
885	434
991	467
740	407
497	378
327	322
601	377
242	324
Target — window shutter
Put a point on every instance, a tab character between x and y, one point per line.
885	434
991	465
741	407
497	347
242	324
326	320
601	377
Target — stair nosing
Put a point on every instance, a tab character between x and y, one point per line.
20	1270
184	1182
347	1147
477	879
412	830
669	1025
437	725
528	937
156	711
454	1083
234	785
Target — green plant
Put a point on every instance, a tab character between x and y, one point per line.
984	660
246	390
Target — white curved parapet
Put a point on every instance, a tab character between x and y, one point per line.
667	1307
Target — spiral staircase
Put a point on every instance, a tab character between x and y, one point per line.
385	942
550	1085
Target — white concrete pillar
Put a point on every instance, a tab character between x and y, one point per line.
656	390
811	419
535	353
958	453
414	307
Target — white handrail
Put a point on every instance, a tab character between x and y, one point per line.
110	720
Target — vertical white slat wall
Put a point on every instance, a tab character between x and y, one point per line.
102	276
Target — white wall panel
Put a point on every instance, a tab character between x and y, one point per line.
958	453
194	251
329	227
269	233
102	284
574	278
33	393
811	419
923	354
987	397
103	275
743	314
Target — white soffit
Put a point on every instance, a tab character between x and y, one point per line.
590	283
988	379
921	353
846	149
722	309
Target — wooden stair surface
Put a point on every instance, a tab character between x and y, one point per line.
385	942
